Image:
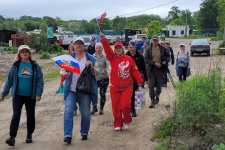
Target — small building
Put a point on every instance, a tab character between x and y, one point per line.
176	31
18	39
5	35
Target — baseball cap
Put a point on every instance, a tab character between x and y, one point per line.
147	41
132	43
93	39
118	44
182	45
78	39
155	37
23	47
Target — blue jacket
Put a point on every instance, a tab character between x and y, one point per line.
139	45
11	83
94	83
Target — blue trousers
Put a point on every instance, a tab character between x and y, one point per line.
84	101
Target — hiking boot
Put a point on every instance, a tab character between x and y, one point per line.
156	99
67	140
152	102
94	110
118	128
134	113
126	126
29	139
10	141
101	111
84	137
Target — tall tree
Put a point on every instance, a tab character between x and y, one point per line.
154	28
174	13
208	14
177	22
221	18
118	24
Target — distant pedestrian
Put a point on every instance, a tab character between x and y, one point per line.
102	78
140	62
145	46
123	70
183	63
156	58
171	62
91	47
140	44
25	79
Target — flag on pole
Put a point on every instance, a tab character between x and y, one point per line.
67	62
100	18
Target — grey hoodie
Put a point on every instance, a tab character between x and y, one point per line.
103	65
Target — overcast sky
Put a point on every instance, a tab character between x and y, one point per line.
89	9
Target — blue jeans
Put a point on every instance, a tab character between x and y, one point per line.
84	101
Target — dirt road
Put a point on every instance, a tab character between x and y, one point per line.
49	114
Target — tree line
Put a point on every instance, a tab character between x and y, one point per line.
210	16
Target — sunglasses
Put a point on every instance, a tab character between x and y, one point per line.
24	51
78	43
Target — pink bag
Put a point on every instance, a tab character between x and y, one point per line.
139	99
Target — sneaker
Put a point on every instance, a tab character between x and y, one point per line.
84	137
94	110
126	126
67	140
29	139
118	128
10	141
101	112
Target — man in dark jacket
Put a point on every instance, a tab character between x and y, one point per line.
156	58
91	47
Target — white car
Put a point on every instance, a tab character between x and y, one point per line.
137	38
87	42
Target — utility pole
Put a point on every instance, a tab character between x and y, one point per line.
185	24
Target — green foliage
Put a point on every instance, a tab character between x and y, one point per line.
218	147
165	129
36	41
221	5
13	50
51	75
200	102
154	28
119	23
177	22
53	49
44	56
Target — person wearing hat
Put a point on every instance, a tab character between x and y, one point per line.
123	70
156	58
145	46
25	79
140	62
71	97
183	64
171	62
91	47
140	44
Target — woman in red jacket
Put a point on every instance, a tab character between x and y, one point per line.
123	70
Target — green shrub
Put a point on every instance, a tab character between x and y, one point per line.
218	147
200	102
44	56
51	75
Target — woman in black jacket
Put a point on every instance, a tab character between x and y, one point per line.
140	62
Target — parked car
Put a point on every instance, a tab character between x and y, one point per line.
137	38
162	37
87	42
200	46
111	39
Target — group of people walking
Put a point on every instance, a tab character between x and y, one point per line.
126	72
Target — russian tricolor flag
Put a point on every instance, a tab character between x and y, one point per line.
99	19
67	62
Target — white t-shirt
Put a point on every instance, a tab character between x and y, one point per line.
76	76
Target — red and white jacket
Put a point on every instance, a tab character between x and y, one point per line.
123	68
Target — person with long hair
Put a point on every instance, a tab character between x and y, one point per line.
123	70
25	79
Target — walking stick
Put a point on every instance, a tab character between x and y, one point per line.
171	78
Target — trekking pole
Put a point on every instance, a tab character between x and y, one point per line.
171	78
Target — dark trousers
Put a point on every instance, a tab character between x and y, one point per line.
165	78
182	73
103	84
135	87
30	104
155	81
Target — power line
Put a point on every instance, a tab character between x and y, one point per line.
145	9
